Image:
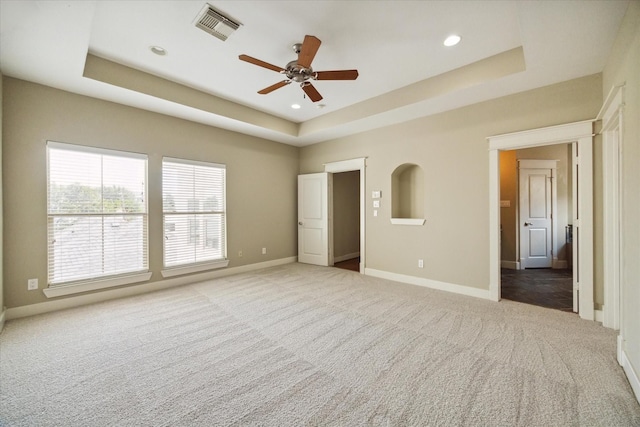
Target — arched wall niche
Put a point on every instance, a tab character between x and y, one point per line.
407	195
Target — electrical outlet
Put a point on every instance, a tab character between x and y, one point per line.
420	263
32	284
240	253
264	251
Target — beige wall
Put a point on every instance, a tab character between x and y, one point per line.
346	213
452	150
261	177
623	66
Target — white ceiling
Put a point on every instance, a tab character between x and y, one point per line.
393	44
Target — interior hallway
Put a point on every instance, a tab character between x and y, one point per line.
544	287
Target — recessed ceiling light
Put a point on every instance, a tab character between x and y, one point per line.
158	50
295	106
452	40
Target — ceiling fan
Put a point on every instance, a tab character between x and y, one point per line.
300	71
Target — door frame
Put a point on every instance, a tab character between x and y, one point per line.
581	134
612	131
358	164
552	165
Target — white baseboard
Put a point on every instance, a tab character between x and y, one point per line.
2	318
631	374
346	257
511	265
76	301
428	283
598	314
560	263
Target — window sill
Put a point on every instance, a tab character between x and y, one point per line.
408	221
76	288
178	271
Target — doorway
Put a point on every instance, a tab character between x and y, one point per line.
346	220
580	136
315	213
535	214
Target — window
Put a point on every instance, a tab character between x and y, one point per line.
97	214
193	195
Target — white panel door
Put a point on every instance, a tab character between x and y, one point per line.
535	218
313	218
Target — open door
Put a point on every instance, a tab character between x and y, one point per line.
313	218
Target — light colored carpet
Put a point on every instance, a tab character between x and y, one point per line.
301	345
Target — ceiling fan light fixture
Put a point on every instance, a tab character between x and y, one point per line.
452	40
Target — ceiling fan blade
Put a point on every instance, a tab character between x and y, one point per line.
260	63
337	75
271	88
311	92
308	51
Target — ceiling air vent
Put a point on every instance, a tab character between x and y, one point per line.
215	23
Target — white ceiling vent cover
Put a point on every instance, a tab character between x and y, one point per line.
215	23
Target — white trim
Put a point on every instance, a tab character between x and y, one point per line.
94	285
582	132
346	257
194	162
407	221
612	132
3	316
345	165
632	375
360	164
612	103
428	283
80	300
619	341
584	228
598	315
511	265
95	150
494	225
560	134
196	268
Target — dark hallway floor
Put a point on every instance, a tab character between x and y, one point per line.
350	264
545	287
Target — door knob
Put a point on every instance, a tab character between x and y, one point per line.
527	224
299	222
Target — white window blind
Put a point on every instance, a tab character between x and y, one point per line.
193	196
97	213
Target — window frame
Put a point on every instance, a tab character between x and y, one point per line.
104	280
198	266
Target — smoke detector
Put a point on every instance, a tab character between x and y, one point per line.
215	23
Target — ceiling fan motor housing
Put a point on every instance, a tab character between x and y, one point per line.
298	73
